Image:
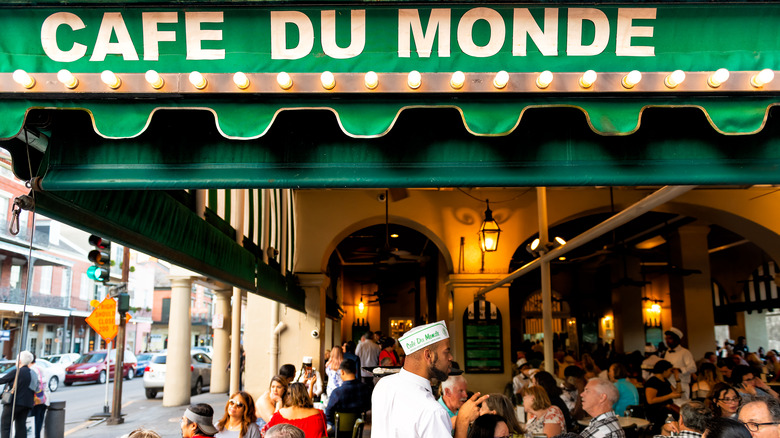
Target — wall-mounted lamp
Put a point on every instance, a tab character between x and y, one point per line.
489	232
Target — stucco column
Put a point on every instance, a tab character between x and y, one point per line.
178	374
220	379
627	303
314	284
235	341
691	295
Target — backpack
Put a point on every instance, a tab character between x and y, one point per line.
34	381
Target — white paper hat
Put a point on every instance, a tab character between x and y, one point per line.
423	336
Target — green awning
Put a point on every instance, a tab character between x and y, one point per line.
156	223
429	148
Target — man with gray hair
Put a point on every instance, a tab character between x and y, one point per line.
453	394
693	421
761	416
597	400
284	430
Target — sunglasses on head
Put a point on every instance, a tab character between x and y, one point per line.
235	403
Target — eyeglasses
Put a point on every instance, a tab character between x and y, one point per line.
235	403
731	400
753	427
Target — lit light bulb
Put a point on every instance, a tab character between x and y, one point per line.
655	308
197	80
631	79
22	78
284	80
535	244
371	80
109	78
762	78
501	79
328	80
457	80
560	240
67	79
674	79
361	306
414	80
154	79
717	79
544	80
241	80
588	78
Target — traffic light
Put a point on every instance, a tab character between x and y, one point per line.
101	257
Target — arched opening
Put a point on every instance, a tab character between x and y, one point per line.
386	278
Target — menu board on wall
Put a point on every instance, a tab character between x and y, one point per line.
483	338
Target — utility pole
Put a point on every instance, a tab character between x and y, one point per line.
122	304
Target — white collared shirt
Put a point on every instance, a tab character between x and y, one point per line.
403	406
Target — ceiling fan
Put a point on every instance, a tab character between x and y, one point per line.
387	255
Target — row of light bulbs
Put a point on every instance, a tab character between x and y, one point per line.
414	79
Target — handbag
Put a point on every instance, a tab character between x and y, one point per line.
8	396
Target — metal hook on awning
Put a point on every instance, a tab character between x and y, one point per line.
23	202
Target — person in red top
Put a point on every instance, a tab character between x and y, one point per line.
388	353
299	411
198	421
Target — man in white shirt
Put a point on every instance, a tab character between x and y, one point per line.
403	405
368	352
681	359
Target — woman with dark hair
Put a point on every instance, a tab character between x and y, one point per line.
660	393
488	426
550	385
499	404
721	427
628	394
388	352
299	411
239	419
272	400
724	400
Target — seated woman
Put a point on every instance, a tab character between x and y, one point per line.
706	378
388	352
488	426
239	419
547	381
299	411
272	400
628	394
660	393
724	400
543	417
499	404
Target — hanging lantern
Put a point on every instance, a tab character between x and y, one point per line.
489	232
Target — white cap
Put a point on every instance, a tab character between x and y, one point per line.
307	360
423	336
676	331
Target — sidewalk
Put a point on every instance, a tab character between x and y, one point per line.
149	414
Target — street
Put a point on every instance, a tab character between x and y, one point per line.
84	400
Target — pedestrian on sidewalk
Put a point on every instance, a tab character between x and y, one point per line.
21	397
40	398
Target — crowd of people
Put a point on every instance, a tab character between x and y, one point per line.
726	393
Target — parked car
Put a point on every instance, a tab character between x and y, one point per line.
91	367
64	359
154	375
206	349
52	373
143	361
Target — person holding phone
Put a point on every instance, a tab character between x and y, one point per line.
310	377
